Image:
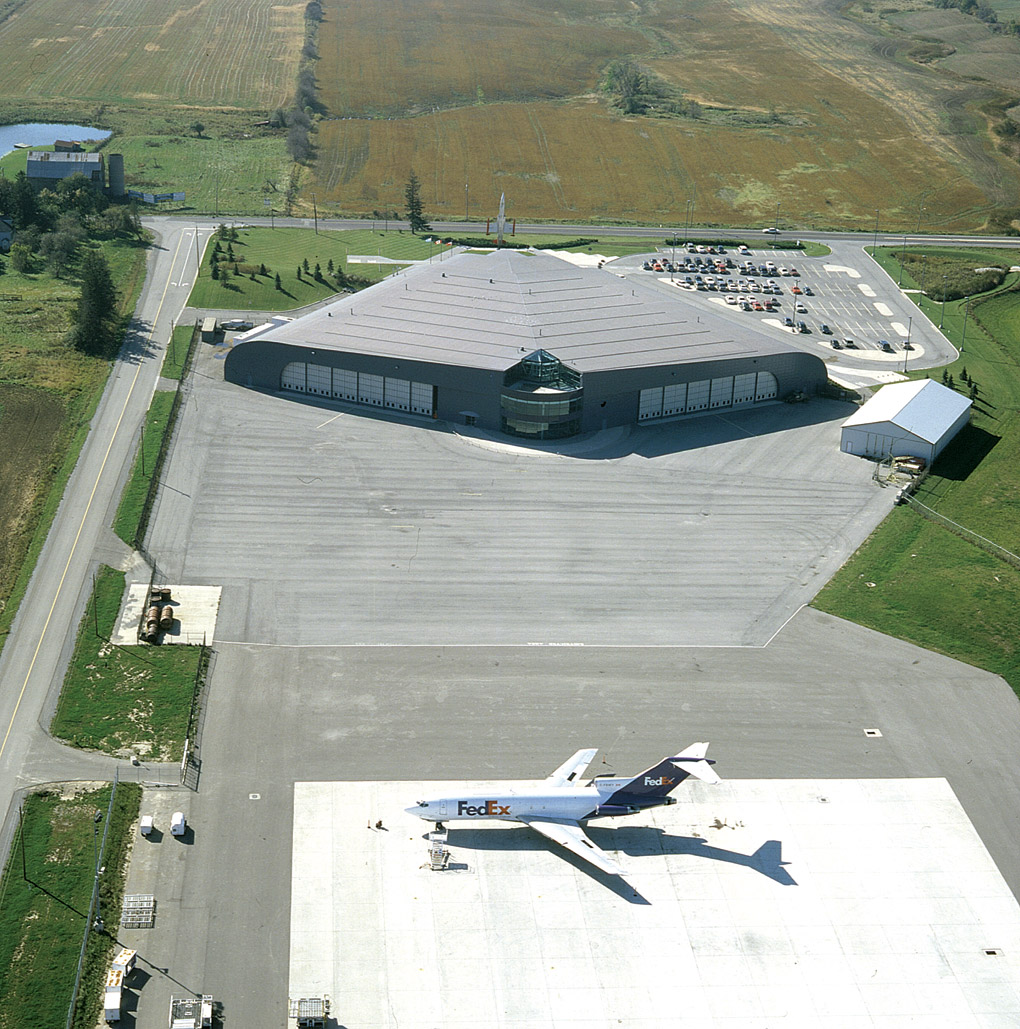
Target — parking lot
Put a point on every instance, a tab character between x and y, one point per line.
844	292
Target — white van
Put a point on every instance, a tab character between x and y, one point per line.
178	826
146	825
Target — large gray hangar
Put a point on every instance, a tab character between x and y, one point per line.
524	343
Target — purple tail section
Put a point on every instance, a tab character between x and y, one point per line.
650	787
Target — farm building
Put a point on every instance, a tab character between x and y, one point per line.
45	168
916	419
524	343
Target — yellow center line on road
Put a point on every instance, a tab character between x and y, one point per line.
88	507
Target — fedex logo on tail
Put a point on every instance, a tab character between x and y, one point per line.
661	781
487	809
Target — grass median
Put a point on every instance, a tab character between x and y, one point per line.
44	902
125	699
128	519
917	580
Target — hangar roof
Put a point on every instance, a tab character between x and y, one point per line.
924	408
490	310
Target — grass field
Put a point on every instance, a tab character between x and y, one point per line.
44	902
174	53
576	160
125	699
932	587
283	251
47	396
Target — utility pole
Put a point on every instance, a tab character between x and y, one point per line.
906	349
966	312
315	215
465	201
876	229
903	257
942	316
198	255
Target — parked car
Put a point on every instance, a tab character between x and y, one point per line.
146	825
772	231
178	824
885	345
788	322
849	344
800	308
907	345
825	328
237	325
802	327
836	345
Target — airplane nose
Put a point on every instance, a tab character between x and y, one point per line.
416	810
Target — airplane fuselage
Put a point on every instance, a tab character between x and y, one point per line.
575	803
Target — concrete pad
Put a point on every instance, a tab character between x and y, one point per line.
755	903
195	612
328	525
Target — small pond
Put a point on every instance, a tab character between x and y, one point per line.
44	134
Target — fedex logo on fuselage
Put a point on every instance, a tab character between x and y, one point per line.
661	781
487	809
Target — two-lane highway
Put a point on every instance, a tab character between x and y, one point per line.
32	663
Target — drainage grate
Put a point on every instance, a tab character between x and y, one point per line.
139	911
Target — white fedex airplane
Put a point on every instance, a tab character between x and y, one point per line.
557	807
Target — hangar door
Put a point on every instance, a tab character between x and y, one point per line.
359	387
688	397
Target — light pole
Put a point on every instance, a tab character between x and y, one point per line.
776	223
903	257
465	201
875	245
906	349
966	311
942	316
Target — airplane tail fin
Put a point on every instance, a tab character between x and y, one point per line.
661	779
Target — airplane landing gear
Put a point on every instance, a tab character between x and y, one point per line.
440	827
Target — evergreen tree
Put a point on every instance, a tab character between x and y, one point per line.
415	211
950	383
304	264
964	375
299	273
973	390
263	270
945	377
237	271
318	272
215	273
329	266
95	317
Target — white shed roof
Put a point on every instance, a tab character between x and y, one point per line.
924	408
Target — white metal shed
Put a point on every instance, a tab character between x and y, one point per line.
916	418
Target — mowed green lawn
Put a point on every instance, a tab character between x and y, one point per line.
915	579
283	251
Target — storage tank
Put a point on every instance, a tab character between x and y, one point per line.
116	166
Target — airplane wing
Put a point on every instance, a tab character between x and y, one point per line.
572	767
570	835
